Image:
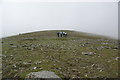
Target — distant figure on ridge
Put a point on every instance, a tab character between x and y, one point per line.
64	34
61	34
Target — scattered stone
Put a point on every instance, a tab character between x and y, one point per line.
24	45
38	62
82	45
74	70
83	67
88	53
35	68
100	48
11	55
14	66
104	43
54	64
5	51
13	46
30	48
73	51
87	43
41	49
86	75
116	58
2	55
26	63
101	70
92	65
115	48
107	47
109	61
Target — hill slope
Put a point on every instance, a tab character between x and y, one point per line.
77	55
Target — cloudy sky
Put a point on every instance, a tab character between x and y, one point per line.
21	16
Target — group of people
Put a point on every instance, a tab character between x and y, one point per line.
61	34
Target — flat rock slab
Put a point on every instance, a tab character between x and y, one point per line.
44	74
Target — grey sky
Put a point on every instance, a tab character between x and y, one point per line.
92	17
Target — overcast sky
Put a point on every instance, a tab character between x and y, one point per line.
92	17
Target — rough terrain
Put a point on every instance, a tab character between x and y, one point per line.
77	56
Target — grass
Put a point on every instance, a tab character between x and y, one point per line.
44	50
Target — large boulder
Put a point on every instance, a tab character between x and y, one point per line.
47	75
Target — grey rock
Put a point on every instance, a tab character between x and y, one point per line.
116	58
35	67
107	47
115	48
14	46
38	62
100	48
14	65
104	43
11	44
88	53
44	74
2	55
25	63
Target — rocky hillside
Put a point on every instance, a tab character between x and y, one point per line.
77	56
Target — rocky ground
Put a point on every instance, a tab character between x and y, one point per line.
77	56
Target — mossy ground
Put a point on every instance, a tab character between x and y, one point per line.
45	51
